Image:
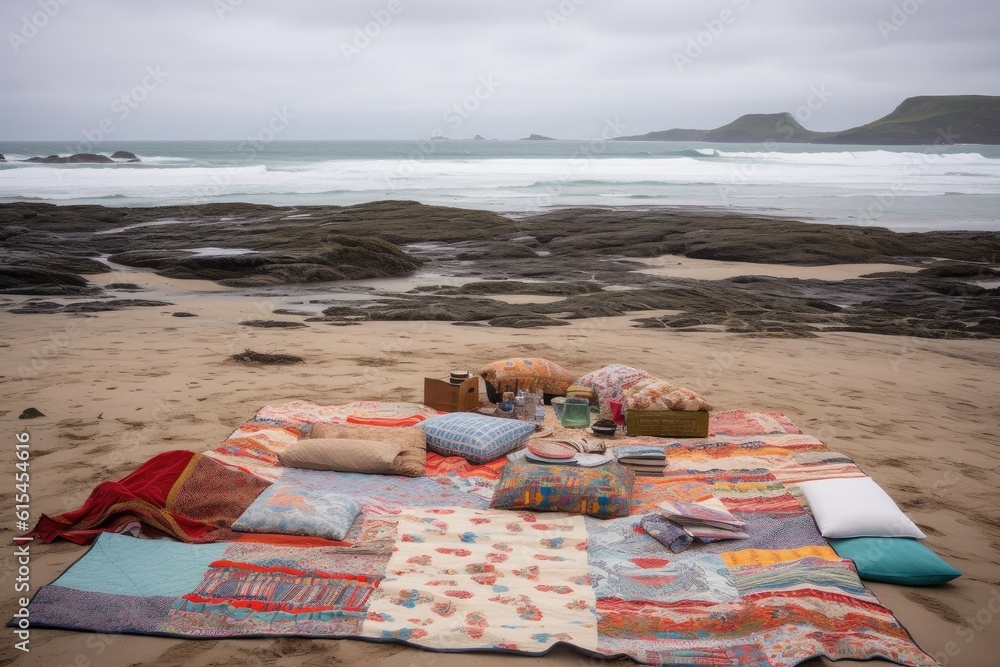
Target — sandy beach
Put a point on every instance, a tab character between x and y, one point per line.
918	415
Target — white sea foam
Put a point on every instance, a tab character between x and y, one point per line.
835	184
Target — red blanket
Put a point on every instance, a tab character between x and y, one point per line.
180	494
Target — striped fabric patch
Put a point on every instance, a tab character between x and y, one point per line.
267	589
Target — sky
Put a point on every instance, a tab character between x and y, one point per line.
408	69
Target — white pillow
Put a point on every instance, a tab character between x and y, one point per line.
856	507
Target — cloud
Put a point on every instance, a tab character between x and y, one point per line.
393	68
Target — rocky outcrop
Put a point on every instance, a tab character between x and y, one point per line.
50	307
89	158
125	156
537	137
575	254
2	158
85	158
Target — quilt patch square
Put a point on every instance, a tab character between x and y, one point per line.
487	579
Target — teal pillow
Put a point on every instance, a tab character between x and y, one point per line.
895	560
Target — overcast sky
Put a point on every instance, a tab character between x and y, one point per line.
219	69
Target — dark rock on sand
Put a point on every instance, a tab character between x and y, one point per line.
288	311
502	287
526	322
48	307
183	313
411	307
31	413
571	253
823	305
989	325
54	290
23	276
271	324
958	270
337	258
124	287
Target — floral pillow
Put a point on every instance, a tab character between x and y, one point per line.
538	376
604	492
476	438
610	383
657	394
288	508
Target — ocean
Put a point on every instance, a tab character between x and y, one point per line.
910	188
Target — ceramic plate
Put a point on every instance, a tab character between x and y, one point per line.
551	450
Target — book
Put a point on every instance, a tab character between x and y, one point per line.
639	452
698	514
644	466
710	533
643	462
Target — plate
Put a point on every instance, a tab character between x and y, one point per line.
551	450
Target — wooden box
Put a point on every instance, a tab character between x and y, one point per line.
667	423
447	397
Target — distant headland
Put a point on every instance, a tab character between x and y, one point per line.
84	158
924	120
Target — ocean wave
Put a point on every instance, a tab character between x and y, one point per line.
163	159
861	157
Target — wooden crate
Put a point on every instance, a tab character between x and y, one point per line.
447	397
667	423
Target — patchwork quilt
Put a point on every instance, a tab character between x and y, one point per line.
427	563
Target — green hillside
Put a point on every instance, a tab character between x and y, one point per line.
925	120
764	127
749	128
963	119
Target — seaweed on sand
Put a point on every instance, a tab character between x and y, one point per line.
248	356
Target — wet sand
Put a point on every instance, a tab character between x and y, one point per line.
918	415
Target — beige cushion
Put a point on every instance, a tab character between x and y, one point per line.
379	450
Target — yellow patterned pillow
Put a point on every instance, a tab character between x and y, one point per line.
539	376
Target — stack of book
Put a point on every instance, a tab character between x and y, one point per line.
643	461
705	522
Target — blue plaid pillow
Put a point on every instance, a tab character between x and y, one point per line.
476	438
